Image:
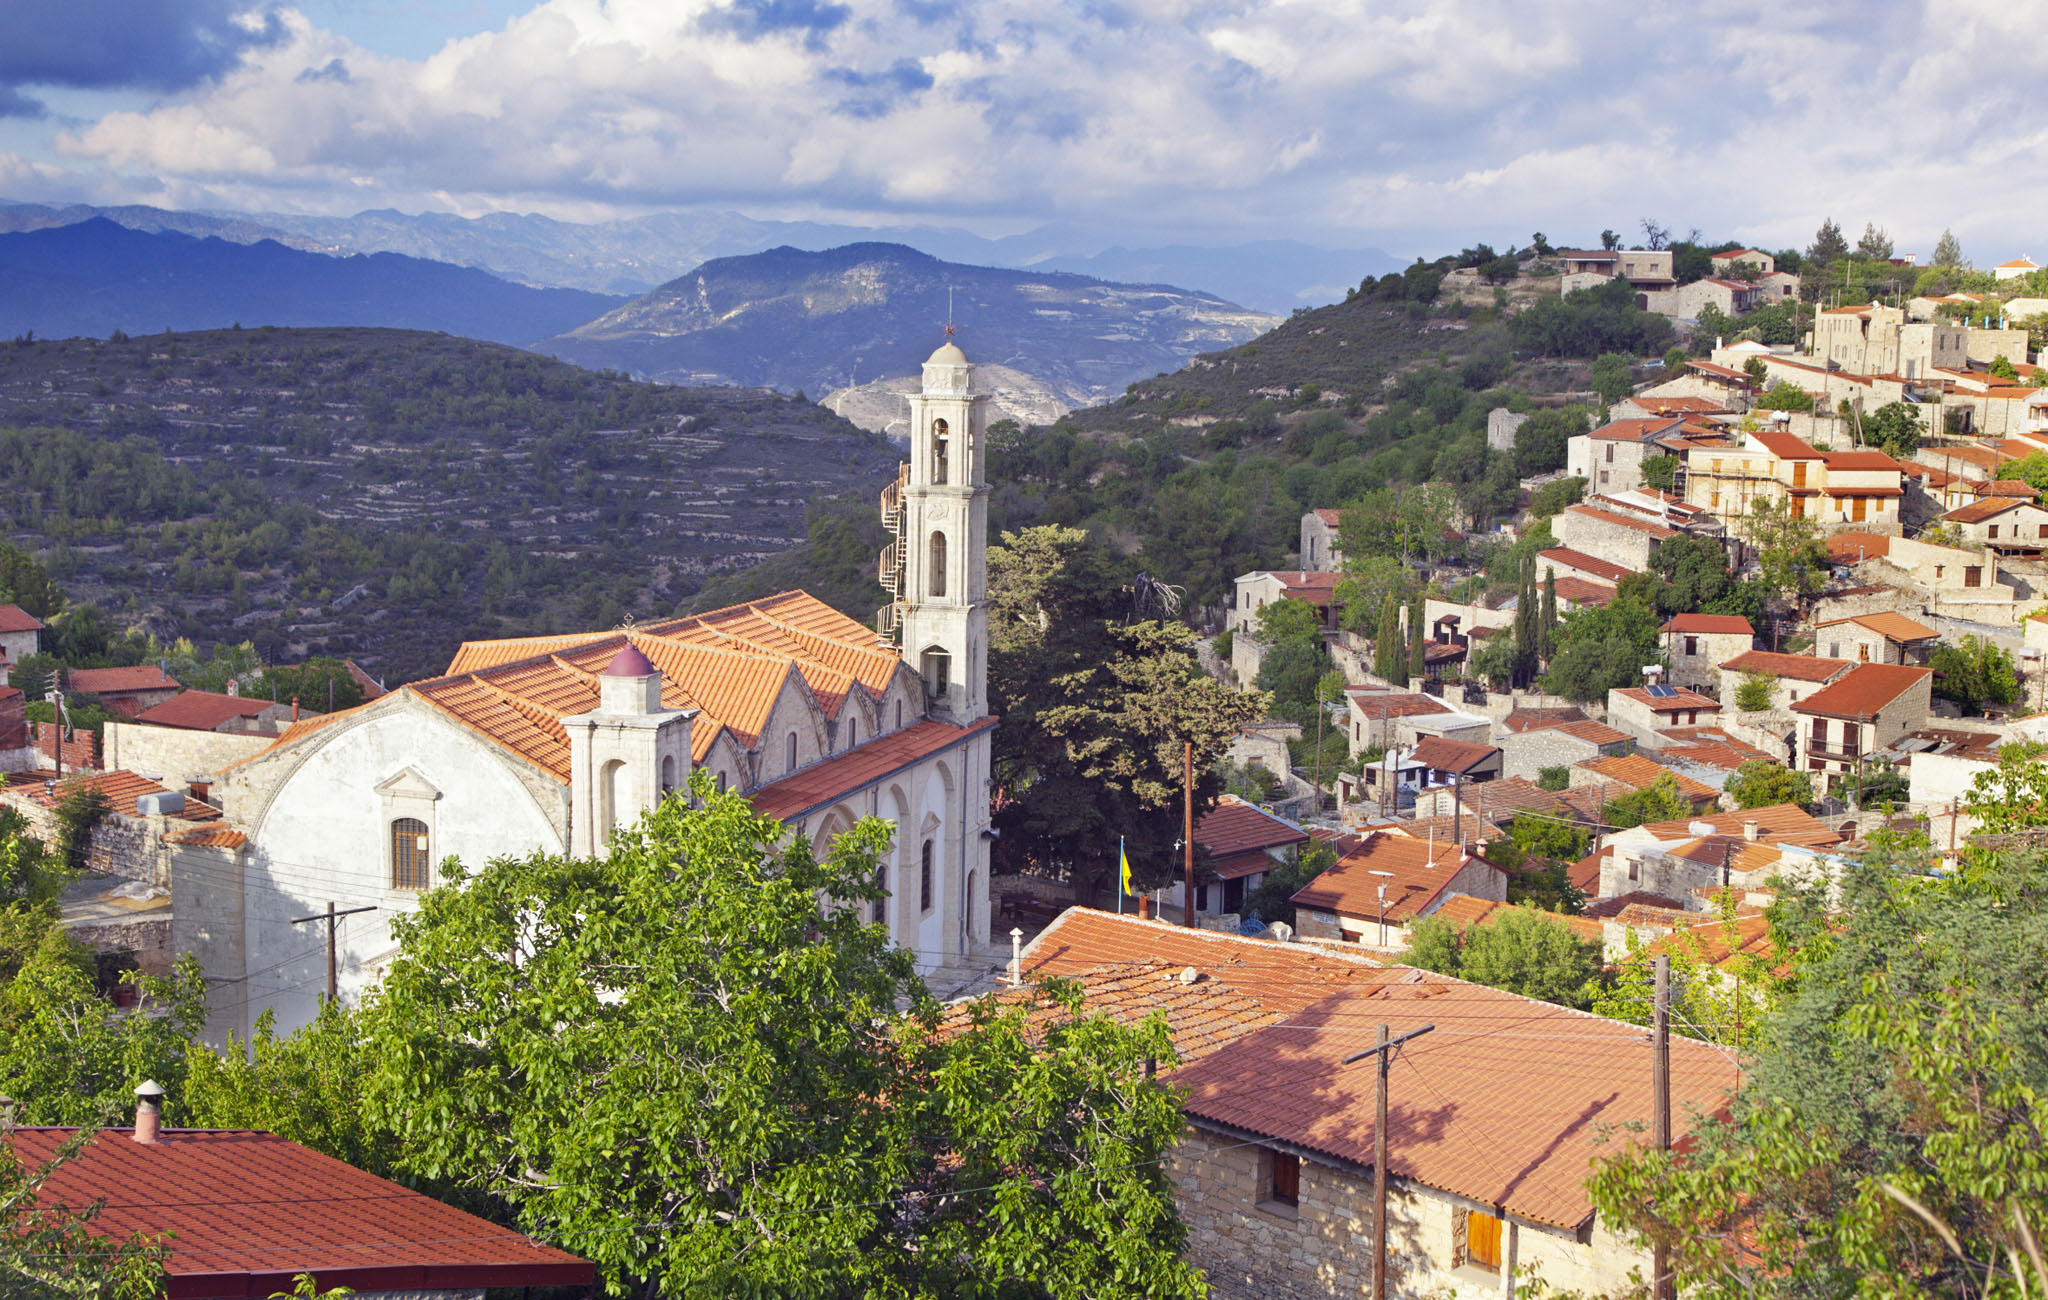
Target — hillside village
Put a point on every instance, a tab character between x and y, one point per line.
1541	798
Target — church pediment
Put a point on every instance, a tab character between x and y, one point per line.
407	783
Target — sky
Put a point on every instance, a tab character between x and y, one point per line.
1409	126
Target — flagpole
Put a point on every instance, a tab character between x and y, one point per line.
1119	875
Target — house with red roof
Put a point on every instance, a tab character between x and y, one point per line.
1528	749
1744	259
2019	268
1860	713
1696	644
2007	525
1239	843
1643	711
20	636
244	1213
1494	1115
1388	881
1883	637
122	691
1611	457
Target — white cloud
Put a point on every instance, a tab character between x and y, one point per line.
1205	116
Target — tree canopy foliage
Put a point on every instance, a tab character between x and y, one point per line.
1522	950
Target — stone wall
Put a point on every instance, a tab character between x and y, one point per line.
123	844
175	756
1615	543
149	941
1527	753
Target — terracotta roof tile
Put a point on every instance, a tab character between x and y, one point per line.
1541	719
1852	548
1681	701
1444	755
113	681
1593	564
1603	908
1976	512
120	789
1803	668
203	710
1579	591
1234	826
2003	487
246	1211
820	783
1785	823
1512	1096
1891	625
1418	873
1381	704
1284	976
1785	446
1202	1015
1635	430
13	618
1462	910
1724	754
1863	691
1598	733
1710	624
1640	772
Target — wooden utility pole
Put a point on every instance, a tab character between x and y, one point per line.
1379	1151
1187	830
332	918
1660	1112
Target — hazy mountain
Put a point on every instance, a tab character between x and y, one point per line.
96	276
634	255
790	319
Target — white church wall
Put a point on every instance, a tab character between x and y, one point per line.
324	837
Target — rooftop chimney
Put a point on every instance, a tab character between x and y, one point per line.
1750	831
149	1112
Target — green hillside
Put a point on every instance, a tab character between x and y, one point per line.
385	493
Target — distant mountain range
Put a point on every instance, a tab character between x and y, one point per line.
97	276
634	255
819	322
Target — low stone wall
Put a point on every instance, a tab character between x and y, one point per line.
150	941
176	756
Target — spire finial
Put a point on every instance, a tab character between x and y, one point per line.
949	311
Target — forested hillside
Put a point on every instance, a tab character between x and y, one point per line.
1205	472
383	494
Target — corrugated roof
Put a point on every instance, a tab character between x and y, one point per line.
1863	691
1515	1099
245	1212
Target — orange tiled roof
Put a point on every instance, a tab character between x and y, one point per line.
1541	719
1640	772
1783	823
1514	1097
1580	591
212	837
1234	826
820	783
203	710
1851	548
1462	910
1710	624
1681	700
1890	624
1417	874
1393	704
1976	512
1801	668
1444	755
1635	430
1725	754
1284	976
1202	1014
1863	691
1598	733
1593	564
1785	446
13	618
106	681
120	789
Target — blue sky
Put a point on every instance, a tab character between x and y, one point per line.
1409	125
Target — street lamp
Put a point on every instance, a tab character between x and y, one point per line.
1385	876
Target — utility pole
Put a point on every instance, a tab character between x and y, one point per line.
1660	1112
1187	830
332	918
1379	1151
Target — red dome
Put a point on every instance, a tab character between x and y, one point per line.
629	662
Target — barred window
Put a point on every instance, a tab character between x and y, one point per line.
410	865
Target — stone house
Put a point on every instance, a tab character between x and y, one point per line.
211	711
1618	536
1566	562
1263	587
1384	884
1640	773
1264	745
1643	711
2007	525
1859	489
134	841
1641	860
2018	268
1945	580
1242	843
1273	1178
1795	676
1376	718
1611	457
1871	339
1686	301
1745	259
1695	646
124	692
1320	546
1526	753
1727	387
1881	638
552	744
1864	711
1455	762
20	636
1778	286
1501	427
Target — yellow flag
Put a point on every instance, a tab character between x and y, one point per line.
1124	867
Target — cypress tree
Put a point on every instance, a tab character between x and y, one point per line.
1525	627
1416	639
1546	632
1386	647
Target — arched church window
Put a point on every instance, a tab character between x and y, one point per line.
939	440
611	790
881	914
409	862
899	715
789	753
937	668
668	773
924	879
852	732
938	564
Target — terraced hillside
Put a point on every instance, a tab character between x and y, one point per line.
384	493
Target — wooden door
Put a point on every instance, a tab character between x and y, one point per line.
1482	1240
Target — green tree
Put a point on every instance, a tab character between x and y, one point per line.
50	1251
1612	376
1521	950
24	582
1887	1139
1782	396
1096	711
1289	674
1543	439
1273	900
1828	246
1874	245
1544	835
699	1029
1388	660
308	1086
319	685
1974	671
1790	553
1418	639
1659	801
1493	661
1554	778
1948	252
1761	783
1755	692
1602	647
1894	429
1289	620
1660	472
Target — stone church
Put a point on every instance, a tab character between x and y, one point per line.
551	743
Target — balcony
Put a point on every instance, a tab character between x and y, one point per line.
1835	753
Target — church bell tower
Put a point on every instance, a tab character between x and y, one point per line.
938	566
